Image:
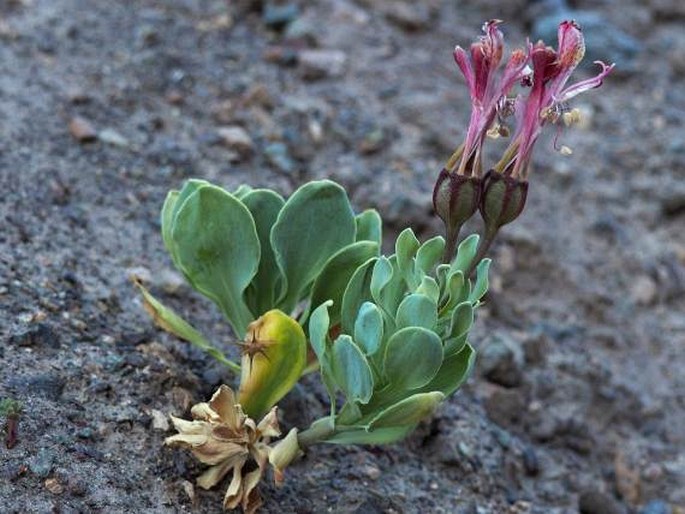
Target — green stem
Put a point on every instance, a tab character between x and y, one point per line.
319	431
451	243
489	235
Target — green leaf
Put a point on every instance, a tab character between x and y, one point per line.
413	356
454	371
481	285
264	205
368	328
430	288
379	436
430	254
168	320
409	411
457	290
417	310
460	324
315	222
369	226
319	323
351	370
168	210
336	274
465	253
382	274
406	247
218	249
357	292
242	190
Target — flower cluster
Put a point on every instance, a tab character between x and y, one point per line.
542	72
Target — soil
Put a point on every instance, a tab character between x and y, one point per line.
577	403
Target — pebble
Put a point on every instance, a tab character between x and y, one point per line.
627	480
673	203
318	64
410	16
47	385
40	335
53	485
236	138
41	464
278	17
112	137
371	472
596	502
656	507
504	406
277	154
170	281
501	361
159	420
82	130
531	464
644	290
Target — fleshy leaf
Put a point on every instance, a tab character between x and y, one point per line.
368	328
417	310
335	275
279	357
430	254
406	247
465	253
454	371
430	288
369	226
264	205
413	356
379	436
357	292
351	370
218	249
409	411
168	320
315	222
481	285
319	323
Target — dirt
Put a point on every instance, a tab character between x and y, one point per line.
104	106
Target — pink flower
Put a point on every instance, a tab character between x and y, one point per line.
488	89
551	71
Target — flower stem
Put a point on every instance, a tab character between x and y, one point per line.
489	235
450	243
318	431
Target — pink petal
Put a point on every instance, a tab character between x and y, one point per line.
464	63
585	85
571	45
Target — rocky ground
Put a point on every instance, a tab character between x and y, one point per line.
577	404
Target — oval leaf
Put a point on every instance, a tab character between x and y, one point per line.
412	357
351	370
358	291
369	226
417	310
368	328
409	411
218	249
315	222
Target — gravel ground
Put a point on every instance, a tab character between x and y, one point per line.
577	403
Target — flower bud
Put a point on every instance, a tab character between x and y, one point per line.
456	198
283	453
502	200
274	357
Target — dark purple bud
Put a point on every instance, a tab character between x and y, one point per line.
502	200
456	198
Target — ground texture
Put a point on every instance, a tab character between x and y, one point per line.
577	402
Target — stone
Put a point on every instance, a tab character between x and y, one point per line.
596	502
656	507
82	130
531	464
501	362
318	64
504	406
160	420
279	16
40	335
41	464
627	480
236	138
112	137
644	290
371	472
278	156
410	16
53	485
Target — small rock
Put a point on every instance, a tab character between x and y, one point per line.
41	464
236	138
370	471
673	203
53	485
530	461
501	362
181	398
277	154
644	290
170	281
277	17
159	420
40	335
47	385
656	507
372	141
318	64
410	16
627	480
596	502
504	406
112	137
82	130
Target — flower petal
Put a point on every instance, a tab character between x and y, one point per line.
223	403
571	44
213	475
234	493
586	85
268	426
251	498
